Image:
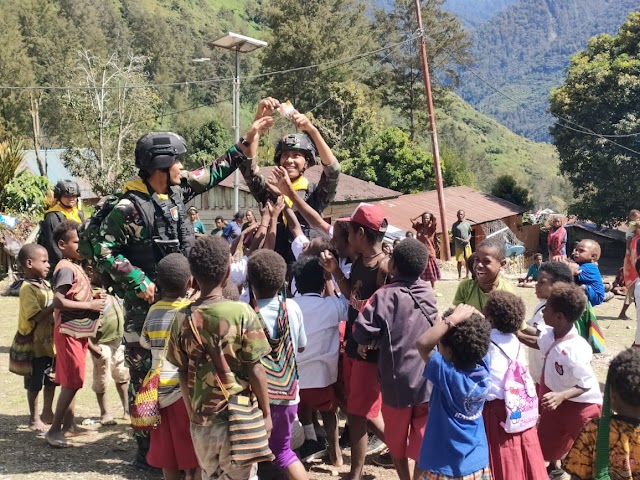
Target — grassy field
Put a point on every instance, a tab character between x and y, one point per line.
105	455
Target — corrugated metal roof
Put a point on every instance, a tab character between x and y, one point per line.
350	189
479	207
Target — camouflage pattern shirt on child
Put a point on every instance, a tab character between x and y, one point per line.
231	328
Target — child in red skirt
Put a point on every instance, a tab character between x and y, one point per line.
76	315
569	391
512	455
171	446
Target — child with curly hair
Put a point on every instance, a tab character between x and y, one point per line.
623	425
569	390
455	443
282	322
512	455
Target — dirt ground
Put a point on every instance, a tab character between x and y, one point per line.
105	454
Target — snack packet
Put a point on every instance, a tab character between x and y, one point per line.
286	109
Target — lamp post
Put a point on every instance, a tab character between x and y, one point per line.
239	44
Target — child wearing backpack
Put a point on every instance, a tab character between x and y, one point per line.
569	390
511	411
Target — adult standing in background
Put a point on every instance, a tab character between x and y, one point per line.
198	227
218	228
461	231
426	234
234	228
66	193
557	240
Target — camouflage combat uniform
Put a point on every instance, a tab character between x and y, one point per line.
233	330
317	195
125	238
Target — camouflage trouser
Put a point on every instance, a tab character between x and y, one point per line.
137	359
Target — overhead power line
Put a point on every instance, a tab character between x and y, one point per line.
324	66
576	126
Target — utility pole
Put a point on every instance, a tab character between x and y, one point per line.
444	246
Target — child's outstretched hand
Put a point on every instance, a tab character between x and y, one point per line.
552	400
281	179
329	262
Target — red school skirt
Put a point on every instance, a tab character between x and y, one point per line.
511	455
559	428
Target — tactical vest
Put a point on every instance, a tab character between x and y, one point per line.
167	223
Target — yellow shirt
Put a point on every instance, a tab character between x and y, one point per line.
469	292
34	297
73	214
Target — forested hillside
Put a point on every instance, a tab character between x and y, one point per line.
523	52
475	12
91	76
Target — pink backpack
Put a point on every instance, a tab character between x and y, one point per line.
520	397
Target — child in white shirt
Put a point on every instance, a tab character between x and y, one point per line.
318	364
569	390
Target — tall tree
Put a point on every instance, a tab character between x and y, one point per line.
311	32
507	188
115	112
400	77
597	132
51	40
15	70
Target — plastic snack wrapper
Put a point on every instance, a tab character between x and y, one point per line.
286	109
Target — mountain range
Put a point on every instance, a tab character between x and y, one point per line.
521	49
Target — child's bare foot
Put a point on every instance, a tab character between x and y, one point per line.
125	416
57	440
107	420
623	317
336	460
77	430
38	426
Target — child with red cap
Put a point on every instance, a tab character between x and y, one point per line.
367	226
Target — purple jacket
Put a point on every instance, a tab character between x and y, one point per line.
395	316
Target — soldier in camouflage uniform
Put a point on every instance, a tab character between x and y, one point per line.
150	222
295	153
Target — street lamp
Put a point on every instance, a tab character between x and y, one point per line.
239	44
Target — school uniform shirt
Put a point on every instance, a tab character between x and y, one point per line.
568	364
455	441
318	364
535	357
269	308
590	277
499	363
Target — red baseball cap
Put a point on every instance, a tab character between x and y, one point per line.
367	215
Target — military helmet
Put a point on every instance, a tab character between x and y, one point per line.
159	150
66	187
296	141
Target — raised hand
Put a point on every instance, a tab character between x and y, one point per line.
266	107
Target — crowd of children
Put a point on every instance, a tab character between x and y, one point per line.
478	392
